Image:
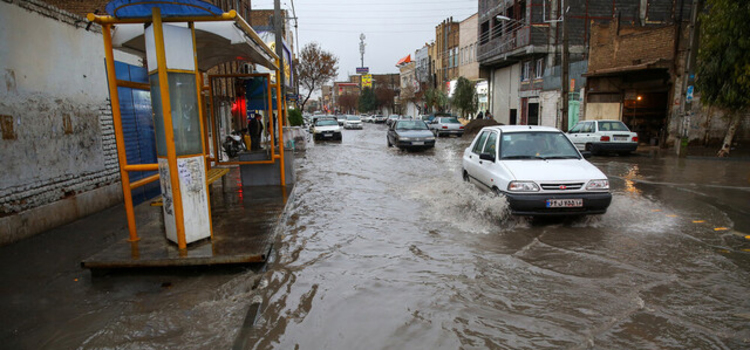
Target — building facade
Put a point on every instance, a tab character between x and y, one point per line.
446	46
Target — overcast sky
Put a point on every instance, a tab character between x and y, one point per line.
393	28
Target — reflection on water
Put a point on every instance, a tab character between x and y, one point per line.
391	249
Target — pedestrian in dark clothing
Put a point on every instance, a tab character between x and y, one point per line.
480	115
256	130
487	114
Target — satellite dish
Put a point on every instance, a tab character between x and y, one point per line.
362	36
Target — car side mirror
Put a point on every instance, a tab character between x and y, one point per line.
487	156
586	154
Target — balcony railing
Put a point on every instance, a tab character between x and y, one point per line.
508	42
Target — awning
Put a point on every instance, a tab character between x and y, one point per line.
655	64
142	8
216	42
404	60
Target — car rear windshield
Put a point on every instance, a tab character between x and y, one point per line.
411	125
612	126
451	120
353	118
537	145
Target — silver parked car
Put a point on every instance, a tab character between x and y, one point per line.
446	126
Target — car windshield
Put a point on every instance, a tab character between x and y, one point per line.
537	145
451	120
353	118
326	122
411	125
612	126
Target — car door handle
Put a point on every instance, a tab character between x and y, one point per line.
480	162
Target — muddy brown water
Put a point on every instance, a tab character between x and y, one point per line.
384	249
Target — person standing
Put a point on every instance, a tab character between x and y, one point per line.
255	128
480	115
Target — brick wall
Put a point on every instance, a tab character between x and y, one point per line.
61	163
632	46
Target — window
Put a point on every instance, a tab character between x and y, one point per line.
539	71
526	71
480	142
490	146
484	37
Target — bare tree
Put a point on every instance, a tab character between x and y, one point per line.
315	68
348	102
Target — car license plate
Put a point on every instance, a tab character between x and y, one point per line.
621	138
564	203
420	143
327	135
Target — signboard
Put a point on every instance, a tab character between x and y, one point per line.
367	81
689	94
363	70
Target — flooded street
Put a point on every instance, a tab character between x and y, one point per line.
385	249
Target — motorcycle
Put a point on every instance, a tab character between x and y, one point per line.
234	144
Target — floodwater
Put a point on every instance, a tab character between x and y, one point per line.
385	249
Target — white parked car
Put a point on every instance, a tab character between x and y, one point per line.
326	129
446	126
352	122
367	118
601	136
537	169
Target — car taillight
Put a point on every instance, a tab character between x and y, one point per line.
635	138
461	127
445	127
604	139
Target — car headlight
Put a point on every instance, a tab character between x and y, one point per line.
522	186
597	185
405	138
429	138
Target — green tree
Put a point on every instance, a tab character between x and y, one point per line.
465	97
723	70
295	117
367	100
435	99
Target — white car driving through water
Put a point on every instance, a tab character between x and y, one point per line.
538	170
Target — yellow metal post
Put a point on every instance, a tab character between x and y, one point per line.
168	127
278	118
119	138
199	88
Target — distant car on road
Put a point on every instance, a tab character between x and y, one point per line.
352	122
326	129
341	119
446	126
367	118
379	119
537	169
410	134
601	136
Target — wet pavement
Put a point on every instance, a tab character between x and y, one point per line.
384	249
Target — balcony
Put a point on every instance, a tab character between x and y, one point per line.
512	45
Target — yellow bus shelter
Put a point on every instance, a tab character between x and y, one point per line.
180	40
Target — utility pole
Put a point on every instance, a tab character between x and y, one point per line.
688	78
278	31
362	50
564	74
296	36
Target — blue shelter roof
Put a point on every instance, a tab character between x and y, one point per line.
169	8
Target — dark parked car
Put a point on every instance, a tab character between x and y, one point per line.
410	134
